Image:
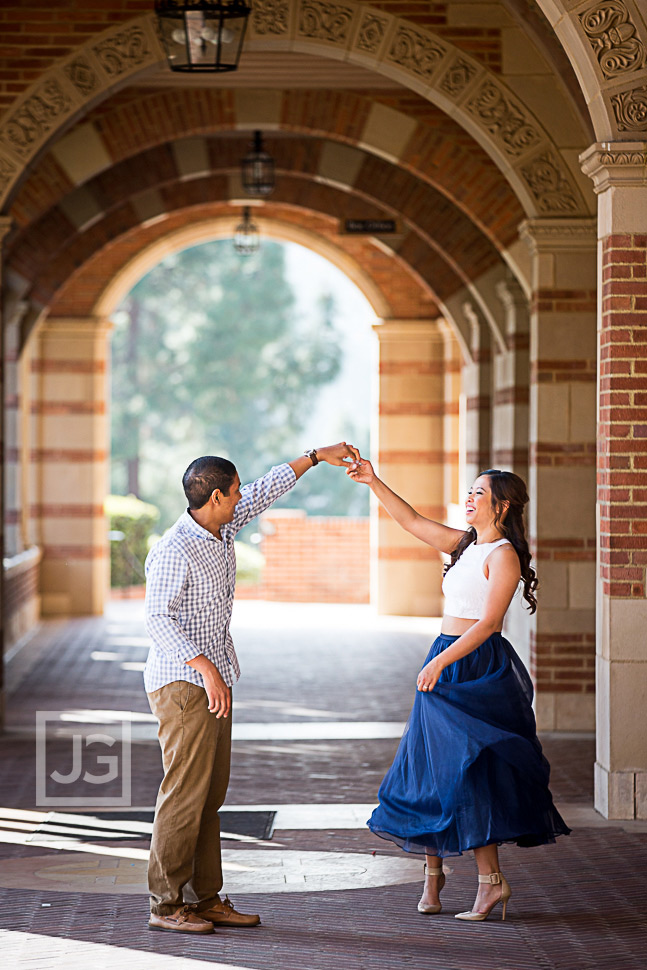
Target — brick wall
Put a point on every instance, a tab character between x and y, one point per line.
312	559
622	445
21	598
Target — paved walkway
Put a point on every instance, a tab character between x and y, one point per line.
318	712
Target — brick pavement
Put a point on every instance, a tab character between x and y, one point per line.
578	904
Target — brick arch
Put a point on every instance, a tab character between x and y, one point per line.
107	272
438	152
431	245
607	47
411	54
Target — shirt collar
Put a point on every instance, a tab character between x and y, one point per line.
188	524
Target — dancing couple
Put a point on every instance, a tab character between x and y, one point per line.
469	772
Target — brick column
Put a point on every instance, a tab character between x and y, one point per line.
412	412
511	384
70	449
5	225
562	468
477	385
619	173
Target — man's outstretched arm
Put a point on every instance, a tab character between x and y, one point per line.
339	454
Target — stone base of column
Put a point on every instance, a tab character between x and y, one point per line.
620	794
565	711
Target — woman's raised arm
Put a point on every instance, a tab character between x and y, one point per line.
435	534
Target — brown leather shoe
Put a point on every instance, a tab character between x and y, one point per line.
223	913
181	921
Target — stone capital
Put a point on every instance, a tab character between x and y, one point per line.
559	235
616	163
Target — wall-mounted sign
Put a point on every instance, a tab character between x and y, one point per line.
370	227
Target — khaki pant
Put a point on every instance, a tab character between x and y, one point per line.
185	865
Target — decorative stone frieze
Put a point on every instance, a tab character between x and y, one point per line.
39	114
416	51
81	74
372	31
123	51
325	21
270	17
630	109
550	186
457	77
613	36
504	118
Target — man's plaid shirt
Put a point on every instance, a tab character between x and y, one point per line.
190	583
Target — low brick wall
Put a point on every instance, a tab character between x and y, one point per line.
21	595
312	559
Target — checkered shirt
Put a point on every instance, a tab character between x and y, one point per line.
190	583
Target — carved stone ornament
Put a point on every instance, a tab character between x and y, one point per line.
7	174
502	117
123	51
35	117
270	17
549	185
416	52
622	159
81	74
630	109
457	76
615	164
613	36
371	33
325	21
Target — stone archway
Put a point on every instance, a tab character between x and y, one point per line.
410	54
414	387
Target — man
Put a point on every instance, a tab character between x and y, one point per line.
191	667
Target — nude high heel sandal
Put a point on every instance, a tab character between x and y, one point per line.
495	879
435	907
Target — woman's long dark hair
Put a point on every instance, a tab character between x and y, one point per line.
510	488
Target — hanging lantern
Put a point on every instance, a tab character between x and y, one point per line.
202	36
257	170
246	238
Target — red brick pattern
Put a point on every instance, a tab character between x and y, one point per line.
313	559
563	663
622	438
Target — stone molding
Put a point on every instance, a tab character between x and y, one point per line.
559	235
616	164
399	330
414	56
606	41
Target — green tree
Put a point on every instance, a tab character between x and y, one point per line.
209	357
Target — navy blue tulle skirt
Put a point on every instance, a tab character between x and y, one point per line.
469	770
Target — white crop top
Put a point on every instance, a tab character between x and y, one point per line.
465	585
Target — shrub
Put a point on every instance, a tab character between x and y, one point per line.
131	526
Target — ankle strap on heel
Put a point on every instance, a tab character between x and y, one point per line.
494	878
429	871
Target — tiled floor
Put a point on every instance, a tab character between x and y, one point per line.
317	716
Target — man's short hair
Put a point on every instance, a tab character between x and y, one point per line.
204	475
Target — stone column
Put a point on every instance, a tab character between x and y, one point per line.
411	454
619	173
562	468
70	438
477	384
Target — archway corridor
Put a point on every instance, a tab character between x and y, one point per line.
507	142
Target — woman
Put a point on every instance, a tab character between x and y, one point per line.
469	772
